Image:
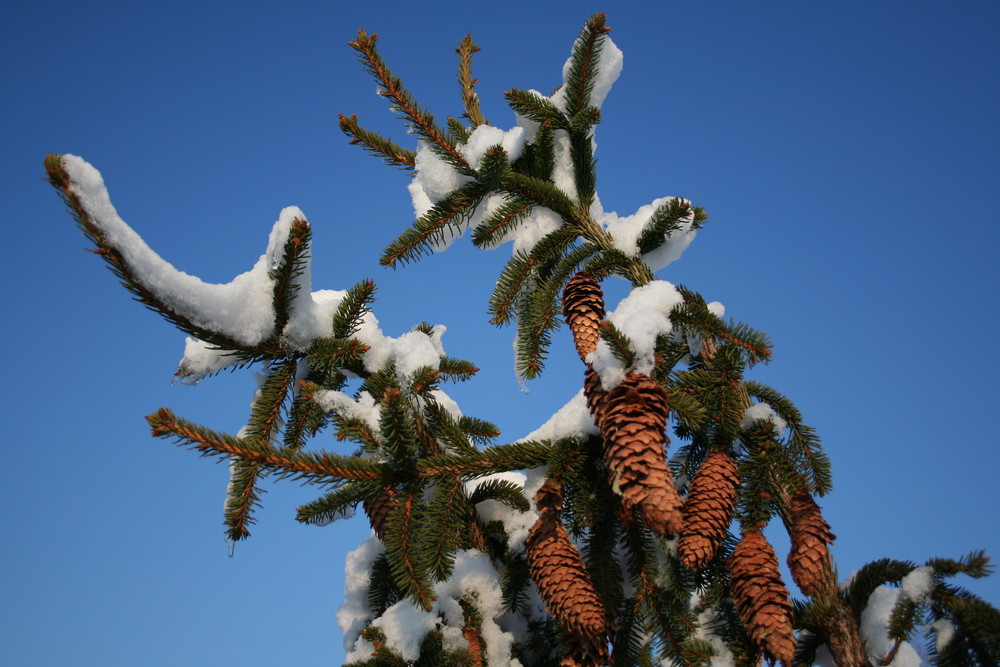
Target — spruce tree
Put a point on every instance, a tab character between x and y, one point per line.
599	539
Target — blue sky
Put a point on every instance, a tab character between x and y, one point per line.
845	152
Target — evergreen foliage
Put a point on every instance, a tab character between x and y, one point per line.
583	548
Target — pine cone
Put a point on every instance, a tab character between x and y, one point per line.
583	310
561	577
633	426
810	537
761	597
475	645
378	508
709	510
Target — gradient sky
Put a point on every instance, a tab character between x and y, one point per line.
847	154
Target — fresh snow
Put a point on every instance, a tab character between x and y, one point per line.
353	615
643	315
763	412
404	624
875	627
241	309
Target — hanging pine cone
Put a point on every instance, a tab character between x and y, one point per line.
583	310
559	573
378	508
635	416
761	597
708	510
810	537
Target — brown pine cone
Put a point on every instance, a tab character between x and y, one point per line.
761	597
810	536
708	510
633	429
560	574
475	644
378	508
583	310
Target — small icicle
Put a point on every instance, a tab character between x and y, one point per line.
230	547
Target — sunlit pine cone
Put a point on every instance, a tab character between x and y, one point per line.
708	510
811	534
560	574
761	597
635	452
583	310
378	508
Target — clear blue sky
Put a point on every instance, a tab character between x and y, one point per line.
847	154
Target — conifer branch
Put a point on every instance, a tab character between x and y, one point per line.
352	309
319	467
458	131
502	458
336	504
534	107
755	344
479	430
375	144
329	355
514	278
804	444
493	166
145	294
470	100
442	526
539	192
242	499
583	64
538	158
419	239
266	412
305	416
382	592
503	491
295	260
446	430
493	231
619	343
581	146
265	422
354	430
399	431
408	569
537	319
666	219
456	370
391	87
